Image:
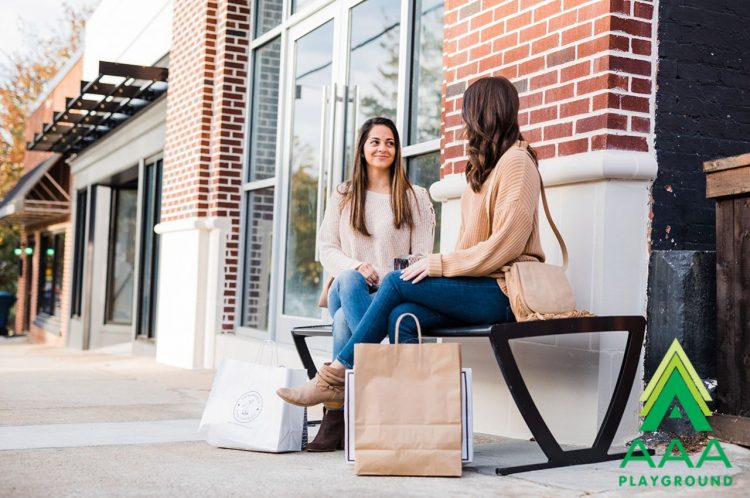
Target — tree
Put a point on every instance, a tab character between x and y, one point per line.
23	75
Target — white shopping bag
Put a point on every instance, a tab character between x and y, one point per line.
467	417
243	411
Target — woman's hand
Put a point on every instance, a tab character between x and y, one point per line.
371	275
417	271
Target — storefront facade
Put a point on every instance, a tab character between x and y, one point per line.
260	121
264	101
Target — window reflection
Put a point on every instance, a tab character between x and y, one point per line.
268	14
258	244
424	171
427	72
373	66
265	111
51	273
122	257
303	275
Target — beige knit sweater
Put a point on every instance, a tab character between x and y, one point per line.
343	248
492	238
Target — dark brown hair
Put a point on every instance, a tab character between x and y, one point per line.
355	190
490	114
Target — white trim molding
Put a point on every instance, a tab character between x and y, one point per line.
578	168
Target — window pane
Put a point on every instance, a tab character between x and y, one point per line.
297	5
80	248
265	111
303	275
258	244
50	273
427	71
149	251
373	66
122	258
267	15
59	258
424	171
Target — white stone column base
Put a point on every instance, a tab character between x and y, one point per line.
191	276
600	203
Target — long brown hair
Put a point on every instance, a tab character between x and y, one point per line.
490	114
355	191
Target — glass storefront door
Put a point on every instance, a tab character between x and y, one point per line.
311	104
343	68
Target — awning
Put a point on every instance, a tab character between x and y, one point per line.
40	195
117	94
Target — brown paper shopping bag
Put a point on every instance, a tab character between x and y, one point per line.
408	408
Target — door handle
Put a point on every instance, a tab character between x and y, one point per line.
355	114
322	167
332	140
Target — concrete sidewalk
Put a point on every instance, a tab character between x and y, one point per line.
103	424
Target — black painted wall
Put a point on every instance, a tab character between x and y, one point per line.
702	112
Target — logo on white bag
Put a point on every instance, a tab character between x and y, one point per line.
248	407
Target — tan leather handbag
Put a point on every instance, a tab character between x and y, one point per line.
323	299
540	291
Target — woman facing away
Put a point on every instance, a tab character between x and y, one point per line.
499	226
369	221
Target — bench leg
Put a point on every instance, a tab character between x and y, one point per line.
300	342
556	456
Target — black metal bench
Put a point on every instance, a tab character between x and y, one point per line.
500	336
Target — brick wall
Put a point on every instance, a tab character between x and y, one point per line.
187	151
21	304
702	113
583	69
227	136
69	85
206	104
37	334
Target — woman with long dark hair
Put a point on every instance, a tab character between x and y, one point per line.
370	220
499	226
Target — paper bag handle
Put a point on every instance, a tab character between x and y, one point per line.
419	329
274	352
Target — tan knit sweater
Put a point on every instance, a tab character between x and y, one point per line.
343	248
492	238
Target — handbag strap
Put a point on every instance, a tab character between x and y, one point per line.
524	145
552	225
419	329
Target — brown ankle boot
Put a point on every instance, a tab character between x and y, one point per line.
330	436
326	386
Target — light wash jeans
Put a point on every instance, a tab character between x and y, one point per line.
348	300
437	302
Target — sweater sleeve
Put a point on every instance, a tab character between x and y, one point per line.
332	256
512	224
423	233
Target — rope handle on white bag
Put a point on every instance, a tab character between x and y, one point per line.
275	353
416	320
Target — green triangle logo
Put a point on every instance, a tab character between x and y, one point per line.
675	380
676	413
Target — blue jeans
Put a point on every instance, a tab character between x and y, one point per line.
348	301
440	301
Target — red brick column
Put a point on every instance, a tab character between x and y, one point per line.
36	334
227	136
185	191
206	102
583	69
21	303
